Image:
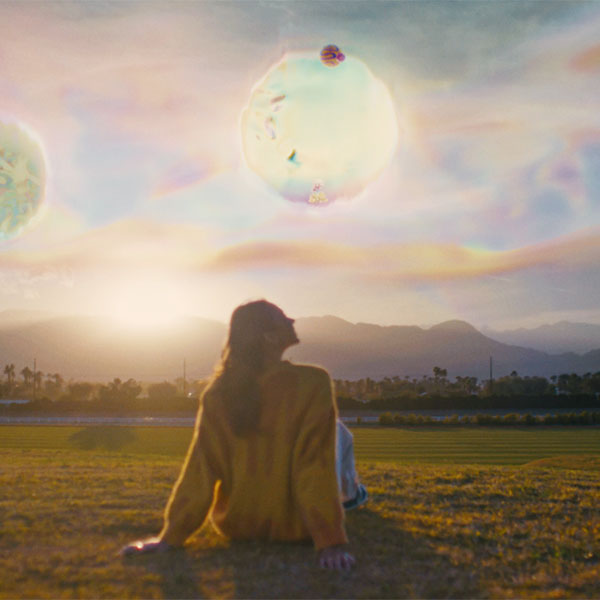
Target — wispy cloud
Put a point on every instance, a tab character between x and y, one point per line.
26	282
406	262
123	245
133	244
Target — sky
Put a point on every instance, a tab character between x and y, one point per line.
470	186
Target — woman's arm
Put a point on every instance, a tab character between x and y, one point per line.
314	477
192	494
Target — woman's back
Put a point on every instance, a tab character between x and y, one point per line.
273	481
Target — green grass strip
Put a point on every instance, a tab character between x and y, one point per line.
500	446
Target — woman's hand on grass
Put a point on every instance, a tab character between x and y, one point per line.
146	547
335	557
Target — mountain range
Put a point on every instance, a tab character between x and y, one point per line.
96	349
553	339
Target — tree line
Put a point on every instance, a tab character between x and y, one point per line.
50	392
439	384
436	391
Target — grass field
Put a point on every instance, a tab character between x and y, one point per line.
527	526
484	445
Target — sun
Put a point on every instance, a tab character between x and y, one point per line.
145	305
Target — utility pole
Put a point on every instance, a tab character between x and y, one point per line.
34	377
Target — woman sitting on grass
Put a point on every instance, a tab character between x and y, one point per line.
264	449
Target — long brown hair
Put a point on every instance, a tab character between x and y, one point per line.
242	361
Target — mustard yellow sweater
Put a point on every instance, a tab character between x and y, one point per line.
276	484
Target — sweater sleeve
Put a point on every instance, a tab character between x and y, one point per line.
192	495
314	476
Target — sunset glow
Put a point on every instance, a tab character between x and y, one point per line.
145	305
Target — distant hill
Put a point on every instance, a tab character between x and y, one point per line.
94	349
352	351
10	318
555	339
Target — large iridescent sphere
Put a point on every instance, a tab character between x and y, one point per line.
317	134
22	178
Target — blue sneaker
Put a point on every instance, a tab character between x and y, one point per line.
361	497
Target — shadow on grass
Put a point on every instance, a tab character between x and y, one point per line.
391	563
177	573
398	563
103	437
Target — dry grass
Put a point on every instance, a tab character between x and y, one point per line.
428	532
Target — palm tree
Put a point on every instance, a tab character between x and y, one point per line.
115	386
27	375
9	371
439	378
54	383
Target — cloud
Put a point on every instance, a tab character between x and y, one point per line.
127	244
407	262
518	139
26	282
588	59
131	244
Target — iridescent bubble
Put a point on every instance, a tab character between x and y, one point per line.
22	179
332	56
305	123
